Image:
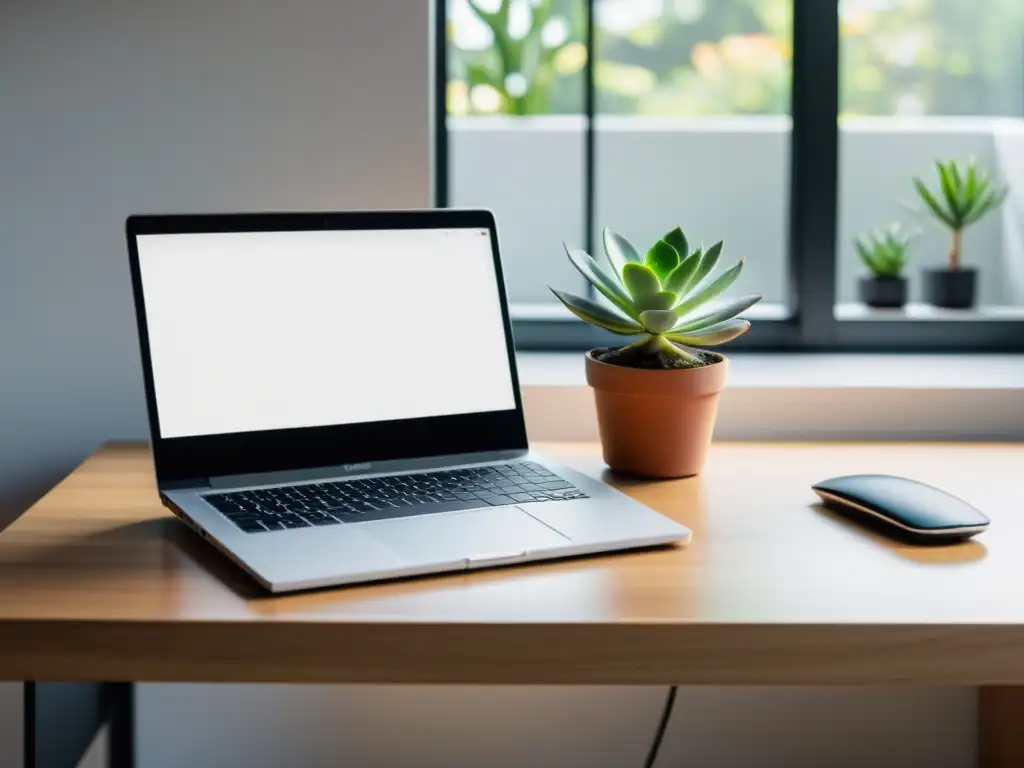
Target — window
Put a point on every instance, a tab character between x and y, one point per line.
516	132
784	127
692	124
921	81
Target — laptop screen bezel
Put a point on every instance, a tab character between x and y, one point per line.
201	457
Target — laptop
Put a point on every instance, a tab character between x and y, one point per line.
333	399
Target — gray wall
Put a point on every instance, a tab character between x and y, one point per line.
509	727
110	107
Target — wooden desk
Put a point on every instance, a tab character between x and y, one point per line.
99	582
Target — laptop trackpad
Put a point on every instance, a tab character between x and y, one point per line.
486	534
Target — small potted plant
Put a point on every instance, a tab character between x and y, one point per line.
657	397
962	199
884	254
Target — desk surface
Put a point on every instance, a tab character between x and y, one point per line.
98	581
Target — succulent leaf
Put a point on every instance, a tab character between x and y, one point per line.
971	183
679	278
965	197
640	281
719	285
707	263
981	186
676	351
949	191
865	255
940	213
648	298
726	311
991	201
677	240
716	334
662	258
954	175
659	300
598	276
619	252
591	312
658	320
884	253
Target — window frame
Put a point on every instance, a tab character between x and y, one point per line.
812	255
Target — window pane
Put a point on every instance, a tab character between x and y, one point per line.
694	127
515	131
920	81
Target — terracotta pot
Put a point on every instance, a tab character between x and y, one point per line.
656	423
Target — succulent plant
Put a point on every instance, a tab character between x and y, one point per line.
885	253
965	198
663	296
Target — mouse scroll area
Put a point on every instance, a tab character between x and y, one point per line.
911	503
902	509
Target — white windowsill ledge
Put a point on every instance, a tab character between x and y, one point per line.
752	370
815	397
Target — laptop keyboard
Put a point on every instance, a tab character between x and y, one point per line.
379	498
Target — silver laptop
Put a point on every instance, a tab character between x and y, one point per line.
333	399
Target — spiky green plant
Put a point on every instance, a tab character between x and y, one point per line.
965	198
884	252
663	296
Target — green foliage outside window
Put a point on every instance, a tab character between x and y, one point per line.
728	57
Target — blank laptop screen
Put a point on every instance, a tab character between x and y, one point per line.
254	331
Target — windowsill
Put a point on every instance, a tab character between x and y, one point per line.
924	312
814	397
817	371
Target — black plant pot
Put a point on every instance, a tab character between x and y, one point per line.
885	292
950	288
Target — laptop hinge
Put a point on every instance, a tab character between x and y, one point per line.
182	485
365	469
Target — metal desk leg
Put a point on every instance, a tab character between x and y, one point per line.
62	720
